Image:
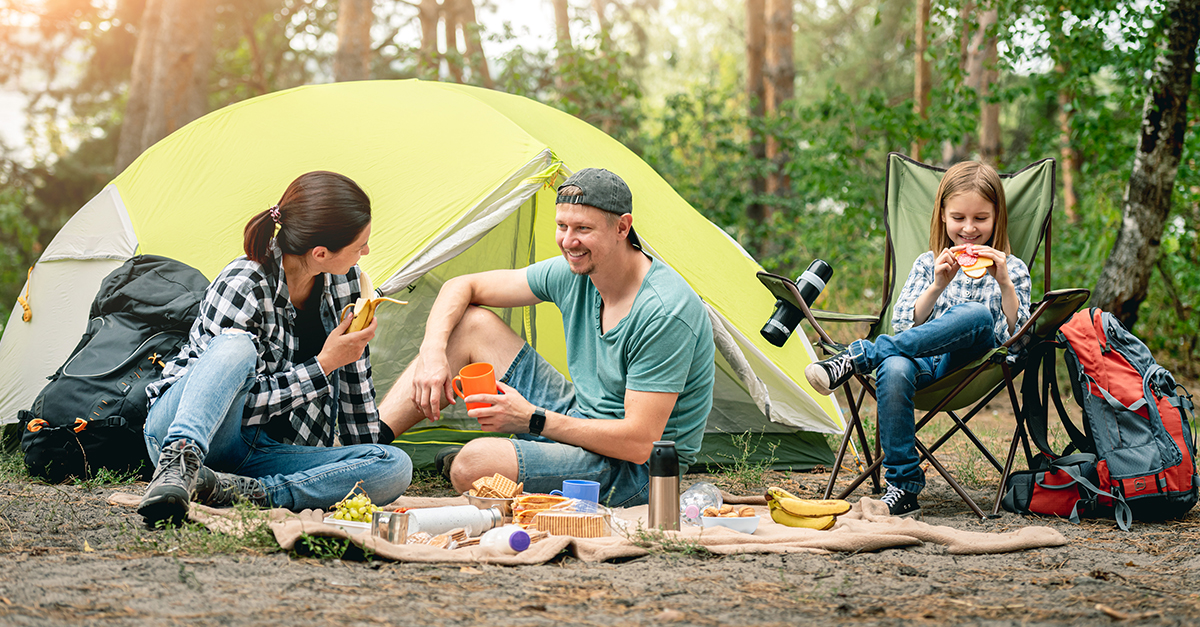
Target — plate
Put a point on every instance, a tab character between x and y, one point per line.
745	524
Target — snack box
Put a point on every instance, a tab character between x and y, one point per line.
744	524
351	527
574	524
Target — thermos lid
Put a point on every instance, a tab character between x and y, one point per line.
664	461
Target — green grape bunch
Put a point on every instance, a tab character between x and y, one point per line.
357	508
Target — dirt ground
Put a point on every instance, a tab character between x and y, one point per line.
70	558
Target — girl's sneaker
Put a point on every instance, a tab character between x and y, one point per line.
830	374
902	503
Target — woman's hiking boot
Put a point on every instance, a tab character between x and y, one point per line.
222	489
170	490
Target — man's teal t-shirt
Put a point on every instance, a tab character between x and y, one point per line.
664	344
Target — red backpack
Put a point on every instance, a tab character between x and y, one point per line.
1136	448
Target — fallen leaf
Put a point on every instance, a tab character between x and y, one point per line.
470	570
87	548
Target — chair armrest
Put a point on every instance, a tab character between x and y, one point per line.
1055	308
784	289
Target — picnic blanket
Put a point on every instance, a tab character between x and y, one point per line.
866	527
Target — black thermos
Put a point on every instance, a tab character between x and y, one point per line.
783	321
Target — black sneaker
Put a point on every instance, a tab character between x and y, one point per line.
444	458
828	375
901	503
170	490
221	489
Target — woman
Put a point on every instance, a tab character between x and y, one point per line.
269	380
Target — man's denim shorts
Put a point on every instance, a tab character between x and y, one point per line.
543	464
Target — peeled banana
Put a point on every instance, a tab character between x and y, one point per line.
364	307
792	511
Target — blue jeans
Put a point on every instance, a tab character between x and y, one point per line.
913	359
206	407
543	464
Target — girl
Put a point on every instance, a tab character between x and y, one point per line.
943	319
269	378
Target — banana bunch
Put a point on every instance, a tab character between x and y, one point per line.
792	511
364	308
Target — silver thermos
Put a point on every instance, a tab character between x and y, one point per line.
664	486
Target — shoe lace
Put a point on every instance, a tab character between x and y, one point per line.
892	496
183	455
840	367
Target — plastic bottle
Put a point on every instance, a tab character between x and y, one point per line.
506	540
437	520
693	501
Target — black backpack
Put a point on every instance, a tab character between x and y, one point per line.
90	416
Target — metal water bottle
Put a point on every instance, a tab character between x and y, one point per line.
664	486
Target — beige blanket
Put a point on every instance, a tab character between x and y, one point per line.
867	527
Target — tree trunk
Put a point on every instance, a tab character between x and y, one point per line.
129	145
450	19
602	25
183	57
756	40
989	112
475	57
352	61
562	42
1126	275
428	62
780	84
955	152
921	83
1070	159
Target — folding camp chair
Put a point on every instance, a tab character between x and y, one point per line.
911	187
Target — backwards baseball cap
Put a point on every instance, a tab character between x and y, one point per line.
603	190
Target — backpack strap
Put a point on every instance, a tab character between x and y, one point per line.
1070	464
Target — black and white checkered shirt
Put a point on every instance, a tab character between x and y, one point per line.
297	399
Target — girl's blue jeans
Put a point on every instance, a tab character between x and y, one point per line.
908	361
206	407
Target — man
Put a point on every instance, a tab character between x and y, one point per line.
639	351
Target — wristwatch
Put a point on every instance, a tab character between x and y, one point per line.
537	421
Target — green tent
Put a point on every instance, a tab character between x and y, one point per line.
461	180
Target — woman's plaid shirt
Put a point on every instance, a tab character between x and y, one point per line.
252	298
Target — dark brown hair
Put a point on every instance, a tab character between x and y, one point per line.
317	209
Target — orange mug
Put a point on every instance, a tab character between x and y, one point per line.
478	378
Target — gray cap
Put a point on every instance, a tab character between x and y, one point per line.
603	190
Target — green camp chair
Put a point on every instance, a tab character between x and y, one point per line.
911	187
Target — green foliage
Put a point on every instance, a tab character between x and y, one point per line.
249	533
744	475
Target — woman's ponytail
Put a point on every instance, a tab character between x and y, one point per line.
256	240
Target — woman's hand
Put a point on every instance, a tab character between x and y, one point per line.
342	348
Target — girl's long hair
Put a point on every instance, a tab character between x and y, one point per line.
317	209
963	177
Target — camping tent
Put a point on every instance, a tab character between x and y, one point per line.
461	180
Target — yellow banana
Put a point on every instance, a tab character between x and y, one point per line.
364	311
364	308
808	522
811	508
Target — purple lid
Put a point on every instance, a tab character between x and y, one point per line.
518	540
691	511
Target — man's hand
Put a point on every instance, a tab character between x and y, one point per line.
342	348
509	413
432	380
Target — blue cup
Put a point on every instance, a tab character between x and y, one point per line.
586	492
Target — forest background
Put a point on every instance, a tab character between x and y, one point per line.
771	117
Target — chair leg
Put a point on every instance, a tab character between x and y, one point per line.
962	493
1018	433
852	426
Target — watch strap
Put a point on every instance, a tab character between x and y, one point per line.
537	421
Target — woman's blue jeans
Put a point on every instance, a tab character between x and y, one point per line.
206	407
913	359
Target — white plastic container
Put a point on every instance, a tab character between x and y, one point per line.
506	540
693	501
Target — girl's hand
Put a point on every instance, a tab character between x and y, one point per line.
945	266
999	267
342	348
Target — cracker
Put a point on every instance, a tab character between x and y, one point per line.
504	487
574	524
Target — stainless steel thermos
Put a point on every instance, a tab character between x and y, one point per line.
664	486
